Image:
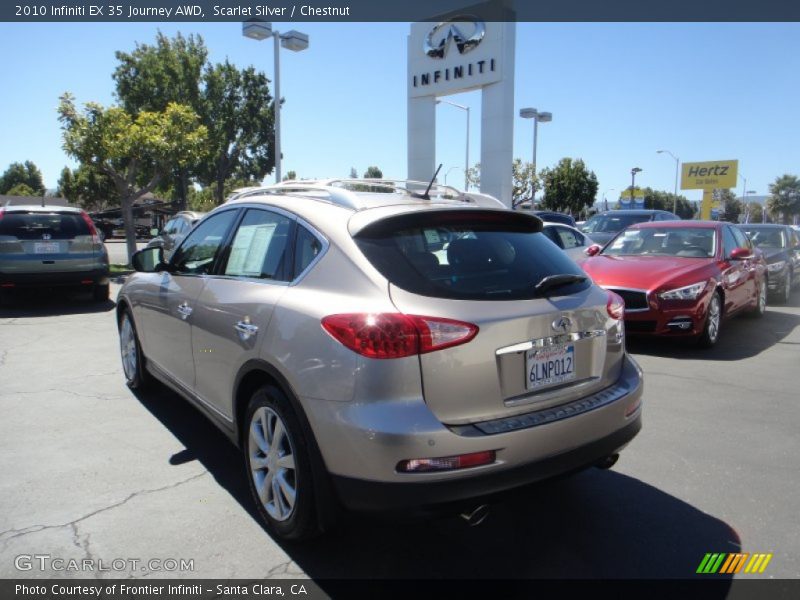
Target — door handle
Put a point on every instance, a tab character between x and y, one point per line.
245	329
184	310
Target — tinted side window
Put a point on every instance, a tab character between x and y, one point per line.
306	248
169	228
551	233
259	246
202	246
728	241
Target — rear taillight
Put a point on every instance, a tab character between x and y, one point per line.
615	306
92	229
395	335
2	210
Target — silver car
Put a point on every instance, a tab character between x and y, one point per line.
175	230
383	349
51	246
572	241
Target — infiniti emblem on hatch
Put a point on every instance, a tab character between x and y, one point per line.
46	236
562	324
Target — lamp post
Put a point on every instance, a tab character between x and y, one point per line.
634	171
450	170
466	159
745	193
675	193
605	201
537	116
291	40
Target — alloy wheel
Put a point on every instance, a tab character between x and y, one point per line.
713	318
127	344
272	463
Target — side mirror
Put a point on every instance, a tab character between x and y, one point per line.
149	260
741	254
593	250
153	232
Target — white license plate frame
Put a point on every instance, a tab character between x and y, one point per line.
46	248
549	366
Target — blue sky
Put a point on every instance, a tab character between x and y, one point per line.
618	92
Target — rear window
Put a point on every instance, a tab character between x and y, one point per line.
489	256
40	225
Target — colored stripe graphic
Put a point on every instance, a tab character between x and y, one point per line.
730	563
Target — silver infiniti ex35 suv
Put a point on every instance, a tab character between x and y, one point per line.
375	345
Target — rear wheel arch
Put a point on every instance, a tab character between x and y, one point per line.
256	374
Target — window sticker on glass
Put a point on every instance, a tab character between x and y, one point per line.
432	236
249	250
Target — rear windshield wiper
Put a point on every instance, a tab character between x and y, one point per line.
553	281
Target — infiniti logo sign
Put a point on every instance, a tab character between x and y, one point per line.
562	324
437	43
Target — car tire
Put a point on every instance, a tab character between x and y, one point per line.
761	304
713	322
101	293
278	466
136	375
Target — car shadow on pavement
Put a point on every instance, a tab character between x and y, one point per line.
596	524
51	303
740	337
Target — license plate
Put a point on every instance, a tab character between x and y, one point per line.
46	247
545	367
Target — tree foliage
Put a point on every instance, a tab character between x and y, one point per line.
22	189
753	212
136	152
373	173
732	207
784	200
236	107
26	173
88	187
569	186
523	178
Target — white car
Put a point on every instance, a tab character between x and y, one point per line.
569	239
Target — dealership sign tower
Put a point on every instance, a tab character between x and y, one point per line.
456	55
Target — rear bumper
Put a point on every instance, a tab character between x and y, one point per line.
362	445
54	279
358	494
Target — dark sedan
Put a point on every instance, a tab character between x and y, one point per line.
780	245
604	226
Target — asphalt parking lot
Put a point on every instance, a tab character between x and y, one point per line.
90	470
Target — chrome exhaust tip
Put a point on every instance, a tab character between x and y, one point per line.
476	516
608	462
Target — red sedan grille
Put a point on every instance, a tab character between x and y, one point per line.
633	300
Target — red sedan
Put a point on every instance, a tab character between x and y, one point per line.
681	278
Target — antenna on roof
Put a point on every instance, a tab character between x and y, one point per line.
430	185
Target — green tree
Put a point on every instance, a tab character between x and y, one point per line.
135	152
237	109
660	200
290	176
22	189
373	173
784	200
88	187
754	212
523	179
27	173
151	77
731	206
569	186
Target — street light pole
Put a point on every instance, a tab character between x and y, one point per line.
291	40
544	117
605	201
466	158
634	171
675	193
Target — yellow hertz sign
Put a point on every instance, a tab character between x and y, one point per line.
717	174
729	563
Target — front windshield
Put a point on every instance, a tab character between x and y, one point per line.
687	242
766	237
612	223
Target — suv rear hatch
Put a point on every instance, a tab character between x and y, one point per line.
39	241
536	347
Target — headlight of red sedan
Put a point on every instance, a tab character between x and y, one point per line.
689	292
